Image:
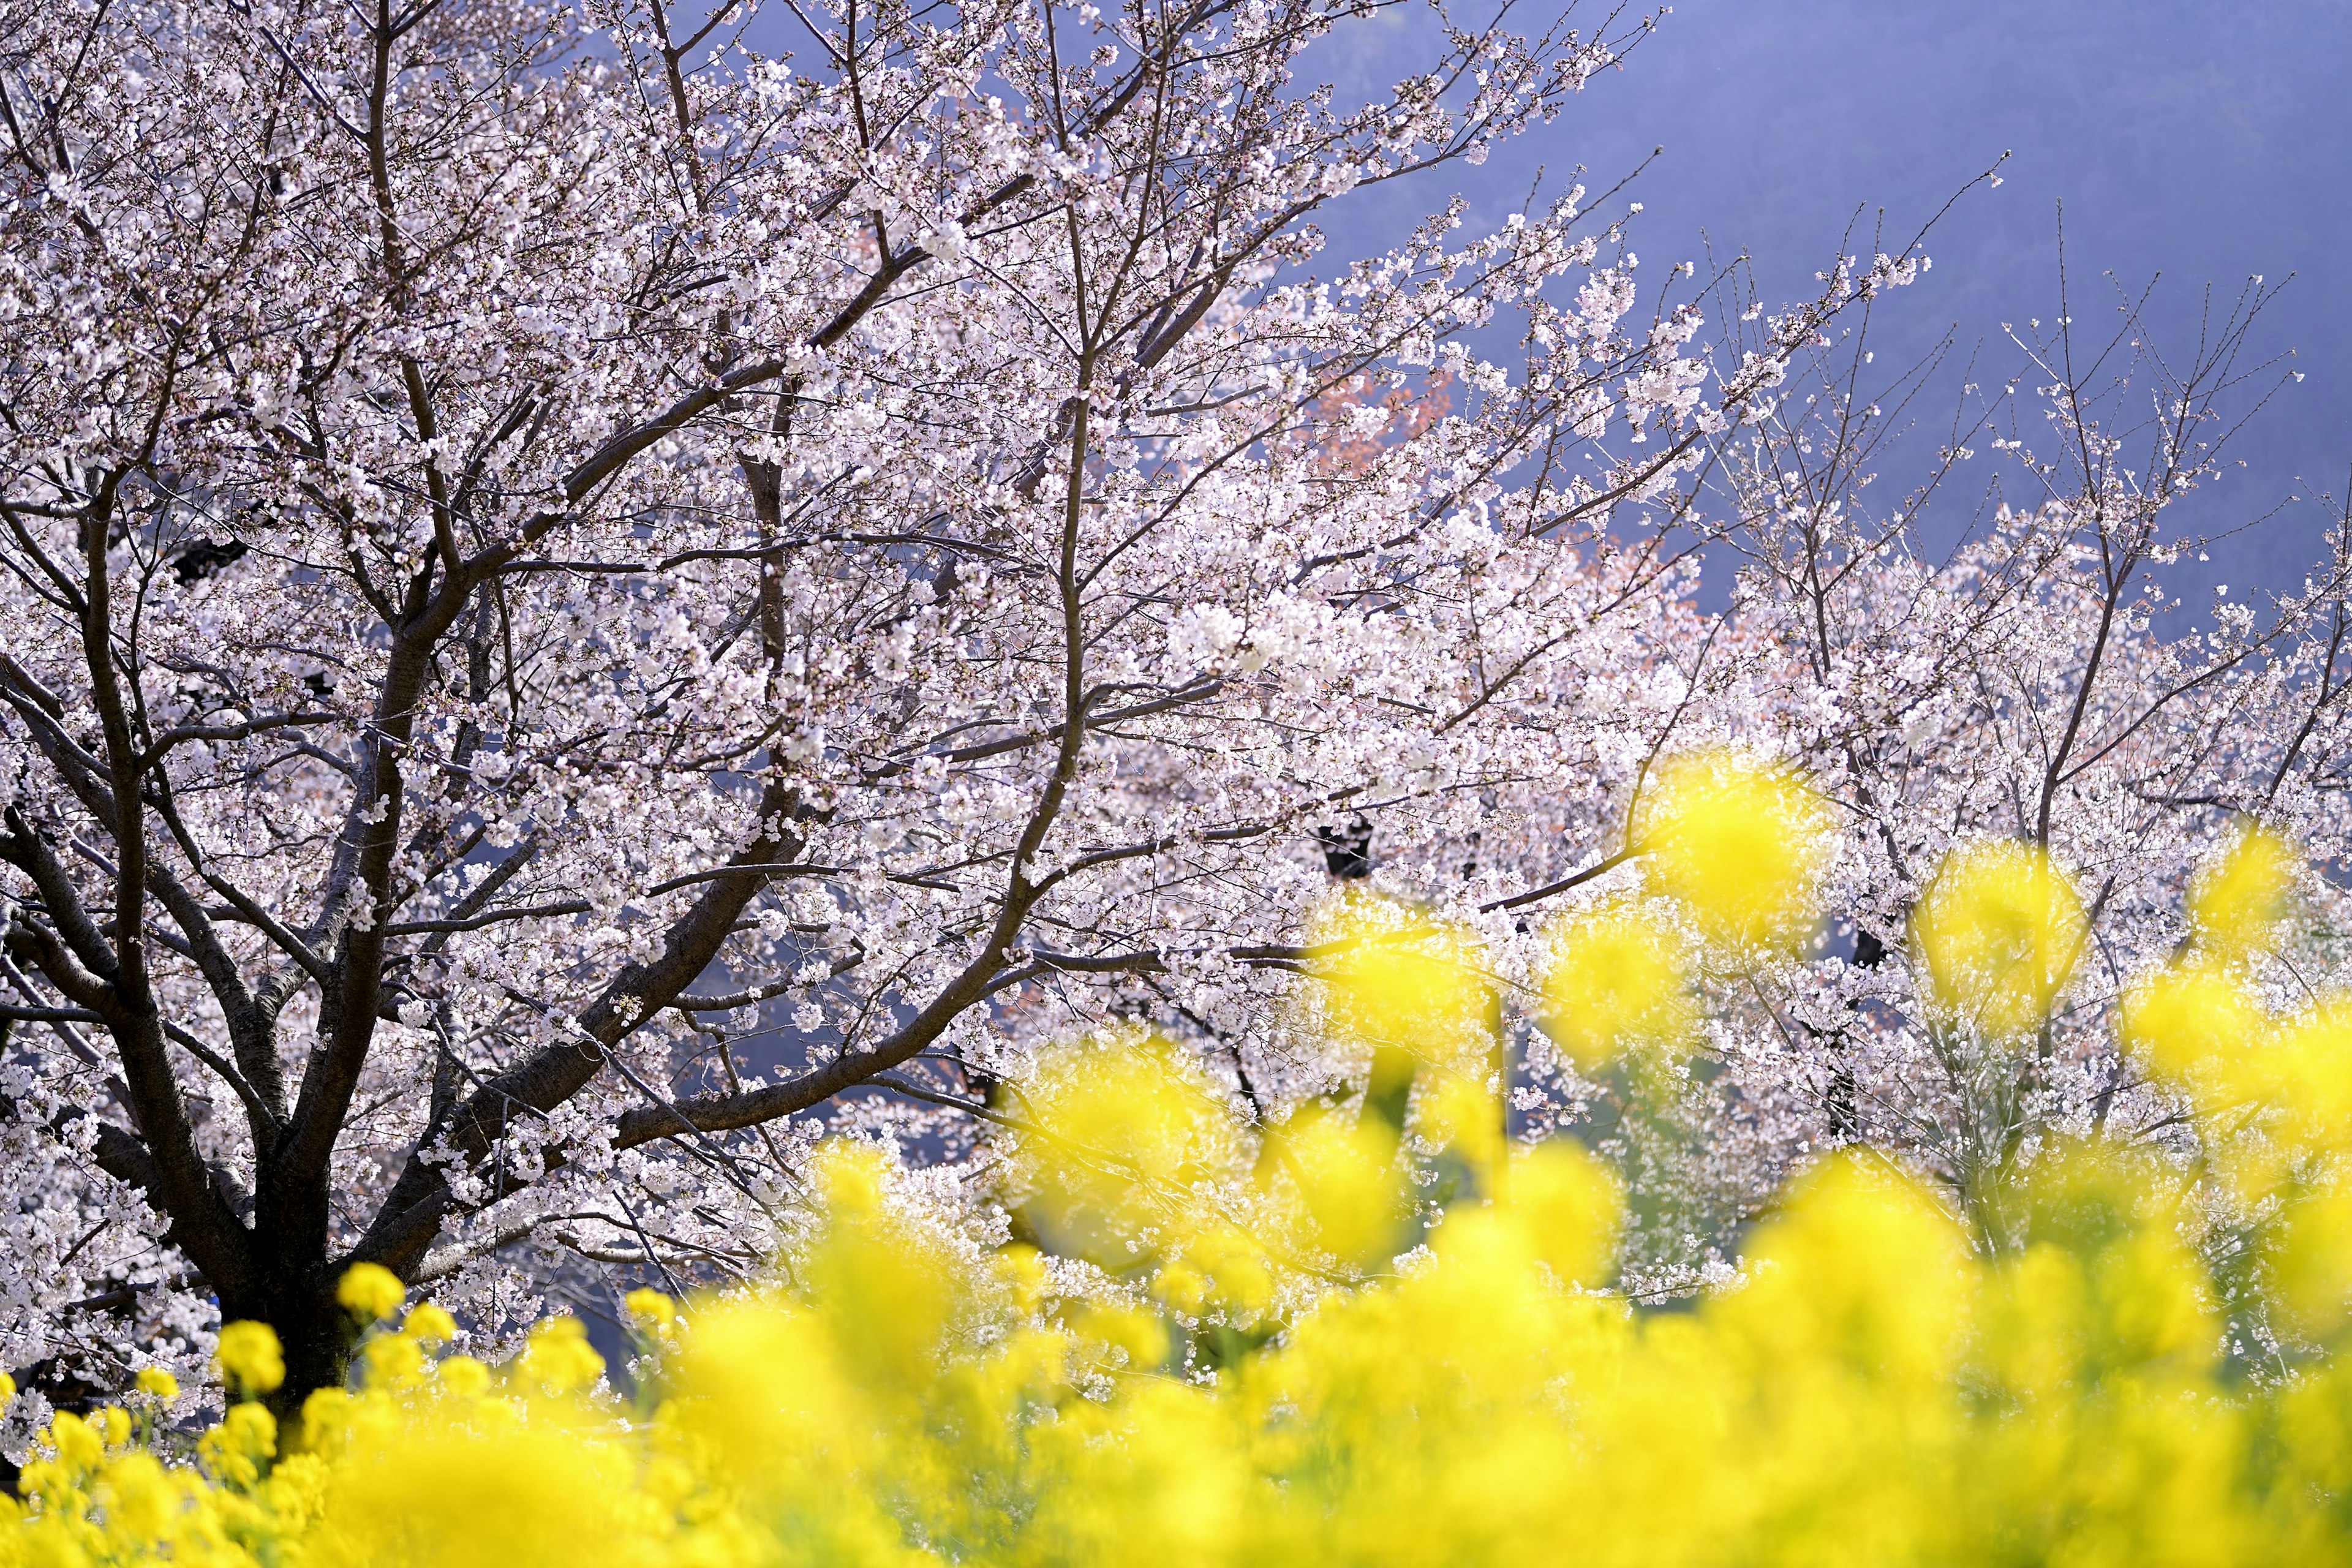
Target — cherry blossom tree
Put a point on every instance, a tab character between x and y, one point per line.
538	541
582	600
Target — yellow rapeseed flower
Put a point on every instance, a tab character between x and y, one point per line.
1349	1178
464	1376
2238	901
1123	1130
2311	1263
249	1358
559	1358
370	1292
235	1450
1570	1203
392	1361
79	1444
1616	984
1397	977
1740	845
1878	1392
650	1309
2000	929
162	1385
2193	1023
1263	1379
429	1324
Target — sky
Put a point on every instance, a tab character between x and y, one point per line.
2192	144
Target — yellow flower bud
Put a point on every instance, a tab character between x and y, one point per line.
154	1380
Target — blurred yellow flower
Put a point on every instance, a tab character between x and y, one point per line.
1738	843
1258	1372
1397	977
2238	901
559	1358
1354	1190
462	1375
249	1358
650	1309
1570	1203
1876	1391
2000	929
429	1324
162	1385
2311	1263
370	1292
393	1361
1121	1130
2192	1022
1616	984
235	1450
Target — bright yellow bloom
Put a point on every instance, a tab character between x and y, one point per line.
155	1380
2194	1024
393	1361
1740	845
2311	1263
1398	978
651	1308
2236	902
2000	929
235	1450
78	1444
370	1292
1351	1184
559	1358
1877	1392
1615	984
1122	1130
1253	1374
249	1358
464	1376
1570	1203
429	1324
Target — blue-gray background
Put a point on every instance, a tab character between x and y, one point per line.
2192	142
2201	141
